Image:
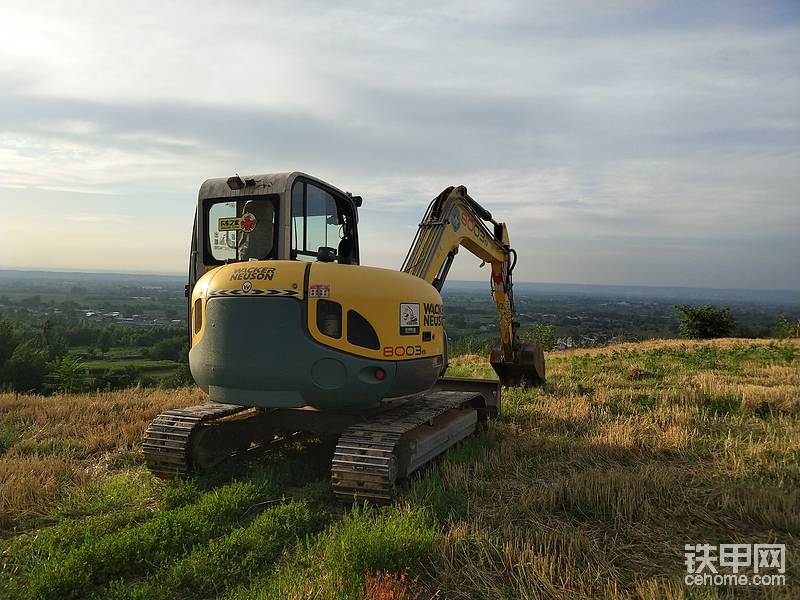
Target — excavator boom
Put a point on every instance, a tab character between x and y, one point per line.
454	219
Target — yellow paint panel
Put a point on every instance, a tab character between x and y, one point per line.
404	310
388	300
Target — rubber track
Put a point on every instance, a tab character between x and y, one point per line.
364	462
166	441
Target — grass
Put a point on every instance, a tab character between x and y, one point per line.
63	442
144	364
587	488
138	548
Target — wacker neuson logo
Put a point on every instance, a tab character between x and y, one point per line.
735	564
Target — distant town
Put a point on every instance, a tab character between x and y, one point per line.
114	330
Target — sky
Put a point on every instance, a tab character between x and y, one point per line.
627	142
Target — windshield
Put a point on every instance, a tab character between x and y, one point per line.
241	229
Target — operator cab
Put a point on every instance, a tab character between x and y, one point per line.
281	216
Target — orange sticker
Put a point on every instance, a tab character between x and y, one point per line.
248	222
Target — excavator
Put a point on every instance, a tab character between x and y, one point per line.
290	334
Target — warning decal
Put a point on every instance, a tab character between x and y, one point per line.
409	318
319	290
247	223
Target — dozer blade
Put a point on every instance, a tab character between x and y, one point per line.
489	389
526	370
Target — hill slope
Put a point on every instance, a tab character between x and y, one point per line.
587	488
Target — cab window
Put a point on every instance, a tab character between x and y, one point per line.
241	229
319	219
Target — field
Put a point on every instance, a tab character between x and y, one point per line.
588	488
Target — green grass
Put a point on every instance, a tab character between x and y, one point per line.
145	364
138	548
333	564
131	490
221	563
9	434
112	353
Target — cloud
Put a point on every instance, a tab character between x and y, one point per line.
591	128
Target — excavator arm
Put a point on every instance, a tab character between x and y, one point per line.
453	220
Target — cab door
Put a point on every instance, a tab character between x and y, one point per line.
322	217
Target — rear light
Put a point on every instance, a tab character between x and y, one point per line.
380	374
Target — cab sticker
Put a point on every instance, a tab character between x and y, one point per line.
409	318
249	222
319	290
246	223
247	286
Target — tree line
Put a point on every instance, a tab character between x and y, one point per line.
36	357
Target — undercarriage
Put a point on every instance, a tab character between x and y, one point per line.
374	450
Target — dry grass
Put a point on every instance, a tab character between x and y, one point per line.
657	344
596	482
54	443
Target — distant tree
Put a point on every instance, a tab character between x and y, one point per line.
182	377
8	341
169	349
103	381
25	371
542	333
104	341
457	321
705	322
67	375
31	301
128	376
786	327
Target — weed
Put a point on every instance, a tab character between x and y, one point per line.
334	565
211	568
139	548
384	585
128	491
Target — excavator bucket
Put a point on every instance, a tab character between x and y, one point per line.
527	370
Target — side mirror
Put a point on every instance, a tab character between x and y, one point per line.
326	254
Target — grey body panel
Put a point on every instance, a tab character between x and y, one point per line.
256	352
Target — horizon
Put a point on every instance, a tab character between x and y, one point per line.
651	145
4	269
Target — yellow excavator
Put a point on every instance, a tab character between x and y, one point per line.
289	334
